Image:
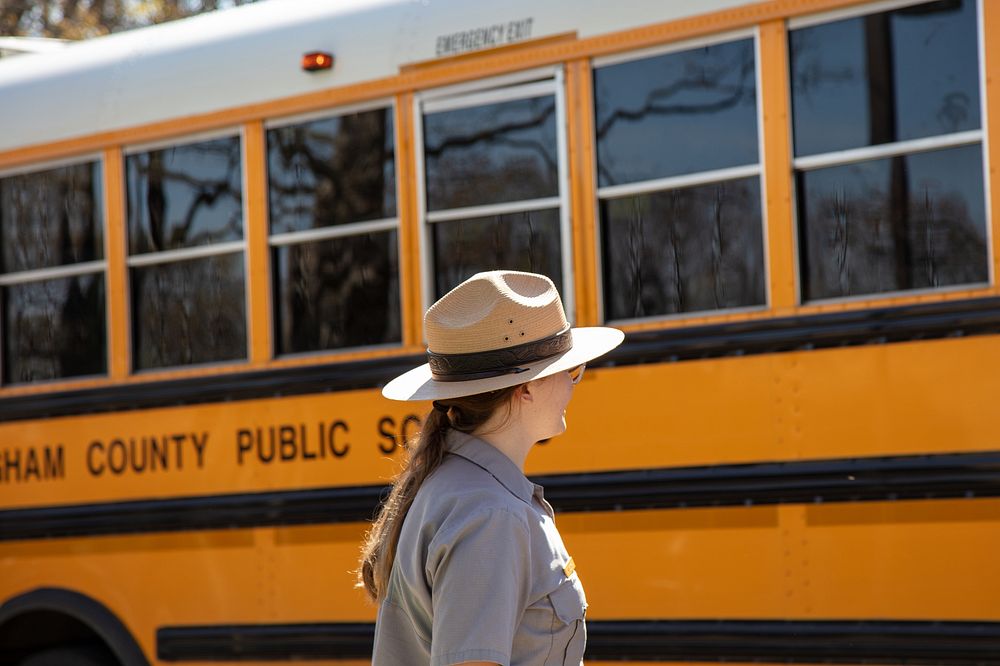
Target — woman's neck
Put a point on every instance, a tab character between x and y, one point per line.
509	440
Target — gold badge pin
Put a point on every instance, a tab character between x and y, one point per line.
569	568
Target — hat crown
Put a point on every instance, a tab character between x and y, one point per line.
494	310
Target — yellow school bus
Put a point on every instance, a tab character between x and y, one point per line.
217	237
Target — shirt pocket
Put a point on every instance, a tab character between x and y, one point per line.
568	601
569	631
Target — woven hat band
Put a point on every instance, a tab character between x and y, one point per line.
497	362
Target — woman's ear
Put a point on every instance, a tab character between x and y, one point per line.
531	389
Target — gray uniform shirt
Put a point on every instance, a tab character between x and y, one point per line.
481	573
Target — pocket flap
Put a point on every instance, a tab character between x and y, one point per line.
569	601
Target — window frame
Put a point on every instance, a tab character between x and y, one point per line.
66	270
288	238
888	150
685	180
521	85
196	252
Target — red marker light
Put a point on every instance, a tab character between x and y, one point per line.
317	60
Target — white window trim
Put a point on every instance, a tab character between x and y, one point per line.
899	293
49	165
502	82
336	231
678	182
182	254
482	98
985	125
231	132
765	175
885	150
692	314
330	112
470	212
56	272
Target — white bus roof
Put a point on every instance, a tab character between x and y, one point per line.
251	54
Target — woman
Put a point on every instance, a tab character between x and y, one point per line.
465	559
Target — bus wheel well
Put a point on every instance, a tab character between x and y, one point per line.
49	618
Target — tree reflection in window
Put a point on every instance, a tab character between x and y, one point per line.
187	312
683	250
864	230
677	113
527	241
51	218
185	196
341	292
331	171
489	154
335	292
52	328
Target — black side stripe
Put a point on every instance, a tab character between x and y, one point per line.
839	642
958	475
871	326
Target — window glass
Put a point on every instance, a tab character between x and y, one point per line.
893	76
54	329
491	154
677	113
331	171
683	250
185	196
51	218
525	241
190	311
341	292
908	222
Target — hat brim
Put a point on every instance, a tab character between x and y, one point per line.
588	343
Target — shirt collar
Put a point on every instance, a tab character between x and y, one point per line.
493	461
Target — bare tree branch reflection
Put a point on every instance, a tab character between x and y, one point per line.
704	251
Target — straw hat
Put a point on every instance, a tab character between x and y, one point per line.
498	329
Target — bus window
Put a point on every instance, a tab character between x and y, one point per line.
493	195
52	274
679	182
185	229
888	154
334	232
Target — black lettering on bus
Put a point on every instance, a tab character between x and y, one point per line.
199	447
31	466
408	421
260	445
332	442
306	453
55	467
96	469
12	463
179	441
158	453
117	445
286	438
44	463
134	452
387	431
244	444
